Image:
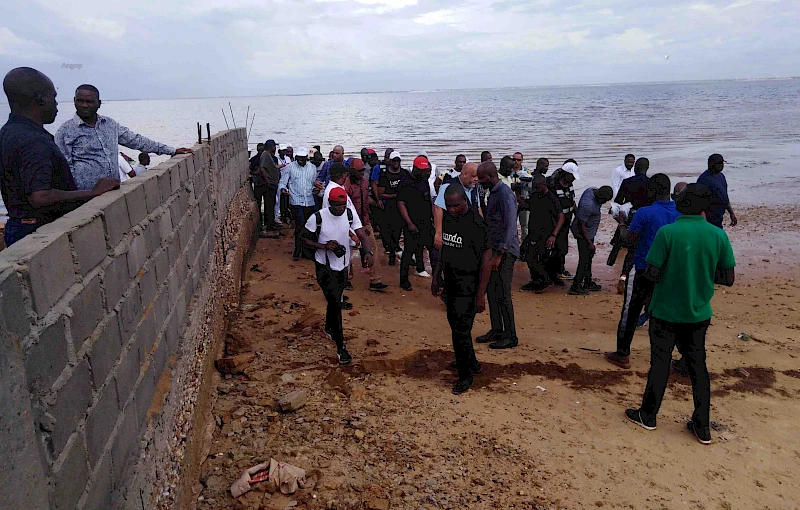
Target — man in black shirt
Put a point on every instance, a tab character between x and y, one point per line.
265	183
416	209
466	261
561	185
546	223
388	184
35	179
255	161
634	191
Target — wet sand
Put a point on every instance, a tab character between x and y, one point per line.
543	426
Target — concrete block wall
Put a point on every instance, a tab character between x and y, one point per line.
93	316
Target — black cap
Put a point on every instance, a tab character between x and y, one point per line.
715	159
270	143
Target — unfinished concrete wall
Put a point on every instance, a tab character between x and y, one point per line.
109	317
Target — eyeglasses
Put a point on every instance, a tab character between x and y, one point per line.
517	159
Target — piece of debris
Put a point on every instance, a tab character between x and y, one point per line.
256	269
541	388
293	401
378	504
284	477
232	365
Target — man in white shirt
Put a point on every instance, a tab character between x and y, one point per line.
622	172
144	162
339	174
332	259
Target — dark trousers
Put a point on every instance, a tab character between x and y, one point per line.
501	309
16	230
301	215
393	225
266	194
543	269
415	246
562	243
627	264
583	275
461	315
638	290
332	284
286	209
691	341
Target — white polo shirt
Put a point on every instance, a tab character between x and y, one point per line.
335	228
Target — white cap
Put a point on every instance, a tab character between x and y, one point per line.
393	155
282	147
573	169
301	152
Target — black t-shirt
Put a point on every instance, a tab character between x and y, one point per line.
634	190
464	239
544	215
417	196
564	194
30	161
391	182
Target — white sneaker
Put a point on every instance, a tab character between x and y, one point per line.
423	274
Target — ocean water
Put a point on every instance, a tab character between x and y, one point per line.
755	125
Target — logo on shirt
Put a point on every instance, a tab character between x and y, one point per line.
452	240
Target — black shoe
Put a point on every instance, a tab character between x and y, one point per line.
703	434
344	356
386	251
530	286
491	336
392	260
345	298
566	275
557	282
461	386
505	343
593	287
475	369
542	287
379	286
348	285
406	285
295	258
347	305
636	417
577	291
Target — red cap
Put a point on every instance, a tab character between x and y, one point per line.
371	151
357	164
337	194
421	162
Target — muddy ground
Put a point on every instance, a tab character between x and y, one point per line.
542	427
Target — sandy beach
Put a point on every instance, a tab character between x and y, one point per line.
543	426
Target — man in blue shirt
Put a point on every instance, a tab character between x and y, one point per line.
501	215
584	228
716	182
638	289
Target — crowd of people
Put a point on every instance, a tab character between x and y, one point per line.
476	220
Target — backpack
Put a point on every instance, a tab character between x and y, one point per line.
308	252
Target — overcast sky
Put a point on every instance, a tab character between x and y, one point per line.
201	48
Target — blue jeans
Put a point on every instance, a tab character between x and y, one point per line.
16	230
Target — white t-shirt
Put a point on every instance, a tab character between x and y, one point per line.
326	202
124	168
333	228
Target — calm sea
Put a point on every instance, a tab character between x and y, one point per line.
755	125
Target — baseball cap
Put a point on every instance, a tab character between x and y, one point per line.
716	159
270	143
357	164
337	194
372	151
282	147
573	169
422	163
395	155
302	152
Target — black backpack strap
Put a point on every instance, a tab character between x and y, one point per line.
318	217
350	216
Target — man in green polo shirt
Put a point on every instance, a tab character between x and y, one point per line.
685	260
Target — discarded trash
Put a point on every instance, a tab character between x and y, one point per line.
541	388
743	372
284	477
746	337
590	350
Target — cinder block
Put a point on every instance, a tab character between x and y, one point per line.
47	358
183	170
181	270
116	220
173	285
146	335
115	280
172	332
190	169
14	319
89	242
162	266
87	311
125	448
161	307
137	255
144	393
105	350
101	491
152	193
180	307
175	175
127	374
177	210
147	286
165	225
130	311
174	251
135	200
69	479
165	185
71	403
160	357
185	234
100	422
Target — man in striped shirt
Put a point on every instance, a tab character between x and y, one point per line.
297	182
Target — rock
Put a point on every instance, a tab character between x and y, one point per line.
359	434
310	319
378	504
236	344
339	381
293	401
235	364
353	313
287	378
